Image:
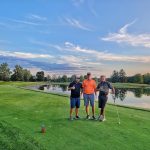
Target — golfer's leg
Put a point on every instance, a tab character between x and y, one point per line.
71	111
77	106
93	110
87	109
102	111
103	105
72	105
99	106
77	111
92	104
100	102
86	104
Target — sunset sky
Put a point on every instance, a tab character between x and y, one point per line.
76	36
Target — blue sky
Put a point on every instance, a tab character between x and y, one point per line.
78	35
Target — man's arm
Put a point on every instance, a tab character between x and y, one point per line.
98	87
112	88
82	87
71	87
81	93
95	88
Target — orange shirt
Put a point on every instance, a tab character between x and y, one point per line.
89	86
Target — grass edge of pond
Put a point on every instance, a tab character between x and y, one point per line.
64	95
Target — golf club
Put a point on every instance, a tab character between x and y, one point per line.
118	117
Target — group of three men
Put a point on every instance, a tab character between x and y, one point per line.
89	90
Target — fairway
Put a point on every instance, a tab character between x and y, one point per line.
22	112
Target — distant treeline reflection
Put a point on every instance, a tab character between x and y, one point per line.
121	93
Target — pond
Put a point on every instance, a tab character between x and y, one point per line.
138	97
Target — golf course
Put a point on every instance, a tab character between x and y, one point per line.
23	112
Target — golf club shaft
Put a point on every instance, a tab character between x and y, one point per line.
118	117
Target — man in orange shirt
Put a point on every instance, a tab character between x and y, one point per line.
89	88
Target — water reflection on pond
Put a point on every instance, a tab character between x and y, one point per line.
131	97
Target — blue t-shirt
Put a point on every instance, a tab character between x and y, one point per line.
104	87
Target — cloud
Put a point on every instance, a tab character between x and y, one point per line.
25	22
76	23
123	30
35	66
92	55
104	55
80	61
12	23
91	5
69	58
24	55
123	36
36	17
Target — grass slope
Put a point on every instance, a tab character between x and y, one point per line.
14	138
22	112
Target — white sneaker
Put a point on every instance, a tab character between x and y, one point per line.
102	118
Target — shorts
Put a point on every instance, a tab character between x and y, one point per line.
75	102
88	98
102	100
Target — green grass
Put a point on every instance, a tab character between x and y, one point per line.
20	83
130	85
22	112
14	138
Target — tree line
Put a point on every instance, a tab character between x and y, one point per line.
21	74
120	76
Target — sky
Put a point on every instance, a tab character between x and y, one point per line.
76	36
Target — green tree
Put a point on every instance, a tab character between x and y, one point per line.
85	76
45	78
59	79
81	78
64	78
96	79
33	78
26	74
122	76
54	78
138	78
4	72
48	77
40	76
115	76
146	78
130	79
18	74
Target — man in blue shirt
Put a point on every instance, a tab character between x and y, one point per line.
103	88
75	88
